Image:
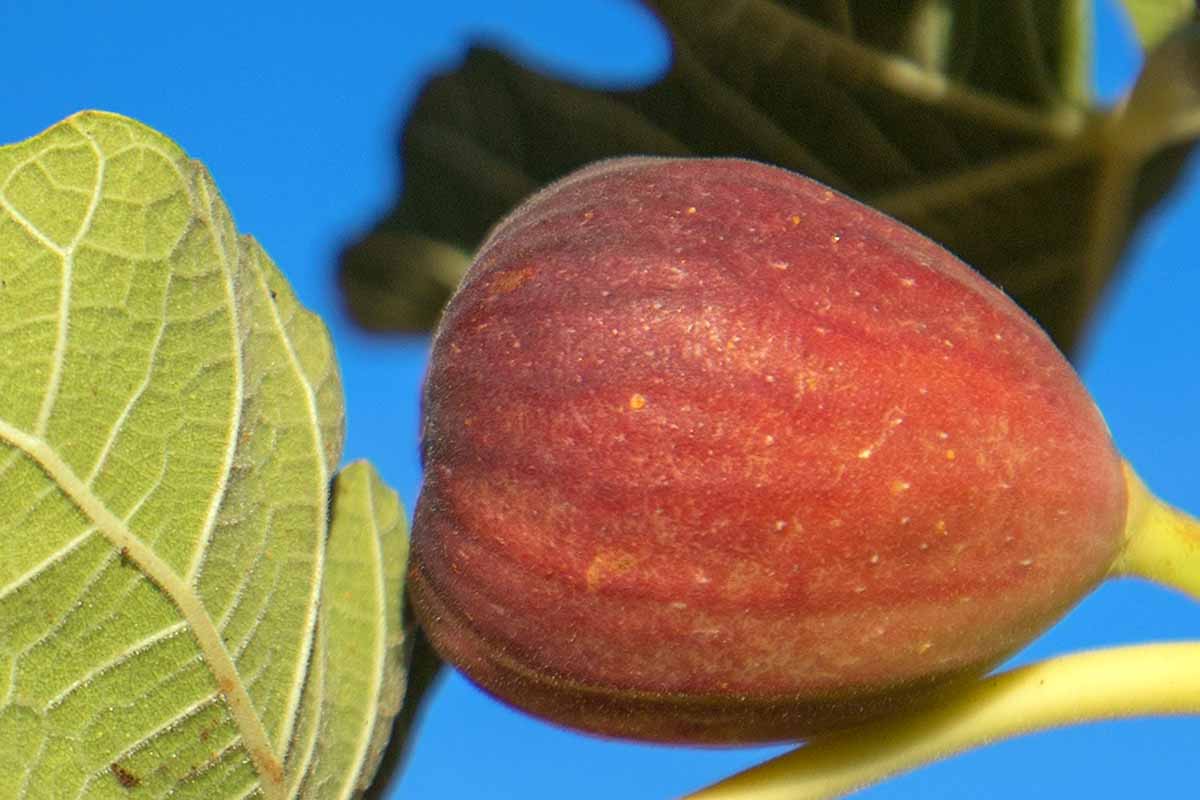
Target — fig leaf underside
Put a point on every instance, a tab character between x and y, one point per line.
193	601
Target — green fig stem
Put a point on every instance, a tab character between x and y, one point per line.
1162	543
1113	683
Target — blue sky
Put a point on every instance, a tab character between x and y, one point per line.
294	110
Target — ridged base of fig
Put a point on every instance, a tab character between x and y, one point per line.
669	718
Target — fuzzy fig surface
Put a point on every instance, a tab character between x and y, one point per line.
714	454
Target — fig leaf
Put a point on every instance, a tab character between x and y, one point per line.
970	121
186	608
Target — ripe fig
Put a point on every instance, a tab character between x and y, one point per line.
714	454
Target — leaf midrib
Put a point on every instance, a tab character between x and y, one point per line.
181	593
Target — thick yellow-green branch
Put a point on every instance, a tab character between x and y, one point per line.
1142	680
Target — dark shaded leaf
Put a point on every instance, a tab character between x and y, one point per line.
1154	19
968	120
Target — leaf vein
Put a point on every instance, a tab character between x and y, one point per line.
37	569
239	379
180	592
135	397
131	652
288	720
64	297
855	62
32	768
145	741
367	731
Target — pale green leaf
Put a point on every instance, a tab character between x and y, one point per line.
170	418
364	585
1154	19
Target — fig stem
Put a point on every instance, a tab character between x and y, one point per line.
1112	683
1162	543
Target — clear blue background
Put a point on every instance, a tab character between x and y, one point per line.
294	109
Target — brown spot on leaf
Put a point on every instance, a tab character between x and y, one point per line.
124	776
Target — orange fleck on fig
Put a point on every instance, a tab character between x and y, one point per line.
715	454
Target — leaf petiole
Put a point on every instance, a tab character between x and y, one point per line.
1162	542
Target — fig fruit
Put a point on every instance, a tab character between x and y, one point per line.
714	454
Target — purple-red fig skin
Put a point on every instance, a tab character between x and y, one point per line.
715	454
